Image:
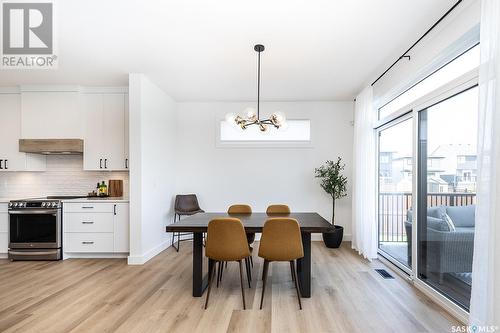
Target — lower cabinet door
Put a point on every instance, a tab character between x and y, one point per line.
89	222
88	242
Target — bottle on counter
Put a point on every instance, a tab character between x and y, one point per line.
103	189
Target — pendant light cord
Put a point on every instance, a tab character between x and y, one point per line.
258	89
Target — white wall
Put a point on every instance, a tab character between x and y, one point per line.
152	169
260	176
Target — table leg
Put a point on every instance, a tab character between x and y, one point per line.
304	266
200	282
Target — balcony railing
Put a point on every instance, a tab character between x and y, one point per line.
394	206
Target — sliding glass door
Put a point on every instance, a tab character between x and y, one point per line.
447	164
395	187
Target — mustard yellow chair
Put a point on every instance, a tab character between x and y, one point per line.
239	209
243	209
277	209
281	241
226	241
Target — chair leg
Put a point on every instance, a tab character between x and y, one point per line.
210	278
250	269
251	260
219	265
292	272
294	277
247	267
178	241
222	270
241	284
264	278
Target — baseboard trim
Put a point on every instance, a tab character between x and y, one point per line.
95	256
141	260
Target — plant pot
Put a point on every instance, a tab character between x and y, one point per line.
333	239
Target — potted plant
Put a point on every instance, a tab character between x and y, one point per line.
335	184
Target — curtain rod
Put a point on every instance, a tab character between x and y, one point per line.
404	55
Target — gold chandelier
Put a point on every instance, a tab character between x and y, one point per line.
277	119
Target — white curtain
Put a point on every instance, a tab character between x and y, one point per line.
485	299
364	223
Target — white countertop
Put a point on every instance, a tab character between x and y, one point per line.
97	199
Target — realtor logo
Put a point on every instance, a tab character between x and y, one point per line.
28	35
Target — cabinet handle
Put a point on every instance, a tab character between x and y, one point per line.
100	163
114	209
5	164
87	242
105	163
87	207
126	163
1	168
87	222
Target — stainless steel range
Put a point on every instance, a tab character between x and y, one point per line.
35	228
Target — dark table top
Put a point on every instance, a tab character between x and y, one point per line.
309	222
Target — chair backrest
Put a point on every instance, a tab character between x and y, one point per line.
239	209
281	240
226	240
278	209
186	203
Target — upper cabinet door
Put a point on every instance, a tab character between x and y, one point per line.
93	151
127	158
50	115
114	131
10	131
104	131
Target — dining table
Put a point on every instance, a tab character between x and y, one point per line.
197	224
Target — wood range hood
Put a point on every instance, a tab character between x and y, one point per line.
51	146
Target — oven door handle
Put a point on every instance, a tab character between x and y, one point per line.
29	211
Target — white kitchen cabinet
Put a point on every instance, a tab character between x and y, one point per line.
127	141
105	131
10	133
4	228
50	115
86	242
121	227
96	227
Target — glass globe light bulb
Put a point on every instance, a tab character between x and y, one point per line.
230	117
250	112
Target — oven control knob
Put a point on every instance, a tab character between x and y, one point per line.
54	204
10	204
43	204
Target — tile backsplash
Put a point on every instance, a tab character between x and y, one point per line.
64	176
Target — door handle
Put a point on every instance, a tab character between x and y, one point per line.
126	163
105	163
100	163
114	209
5	164
87	242
87	207
1	168
87	222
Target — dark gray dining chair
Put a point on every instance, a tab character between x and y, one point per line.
185	204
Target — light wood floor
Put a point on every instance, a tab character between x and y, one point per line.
105	295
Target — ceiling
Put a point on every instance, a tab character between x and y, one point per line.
199	50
